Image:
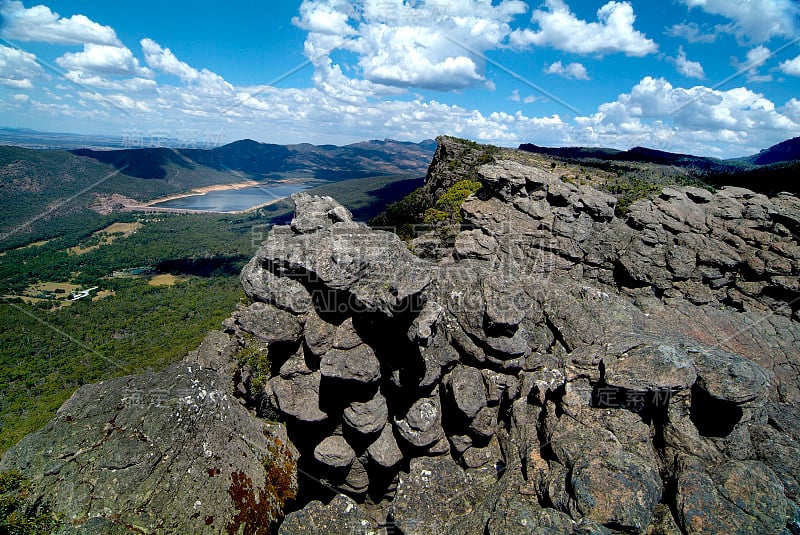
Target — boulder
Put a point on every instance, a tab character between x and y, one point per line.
465	387
318	334
737	497
651	367
362	270
475	244
315	213
334	452
359	365
285	293
384	451
431	495
295	365
619	489
485	422
345	336
268	323
422	328
298	396
729	377
506	302
422	424
341	516
357	480
367	417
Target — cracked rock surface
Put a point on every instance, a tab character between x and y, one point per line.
167	452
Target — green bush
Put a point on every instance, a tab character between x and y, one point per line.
403	214
17	515
631	190
448	206
255	355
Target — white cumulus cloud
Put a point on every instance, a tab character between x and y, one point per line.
697	117
756	20
38	23
690	69
432	45
18	68
100	82
791	66
162	59
561	29
755	59
324	18
103	59
572	71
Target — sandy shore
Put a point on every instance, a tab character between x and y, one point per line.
130	205
203	190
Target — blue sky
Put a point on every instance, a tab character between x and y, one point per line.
708	77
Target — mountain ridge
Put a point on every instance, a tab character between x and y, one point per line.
268	160
785	151
770	171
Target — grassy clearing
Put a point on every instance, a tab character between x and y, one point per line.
102	294
53	287
39	243
106	236
36	244
165	279
54	294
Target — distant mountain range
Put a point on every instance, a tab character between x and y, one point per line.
772	170
261	161
257	160
785	151
32	180
34	139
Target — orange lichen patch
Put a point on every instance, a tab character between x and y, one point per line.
254	511
259	509
281	470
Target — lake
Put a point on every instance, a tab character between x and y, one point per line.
234	200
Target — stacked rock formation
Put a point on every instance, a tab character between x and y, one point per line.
559	369
551	345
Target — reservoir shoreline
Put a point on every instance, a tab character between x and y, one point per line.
203	190
223	199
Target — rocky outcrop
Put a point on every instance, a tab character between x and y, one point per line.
454	160
556	368
166	452
561	329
